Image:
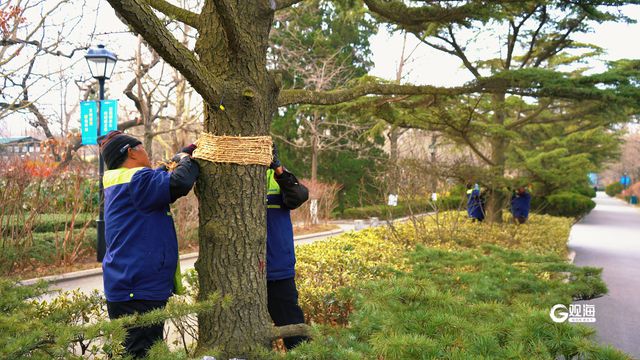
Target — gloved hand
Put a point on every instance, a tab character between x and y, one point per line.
275	163
189	149
185	151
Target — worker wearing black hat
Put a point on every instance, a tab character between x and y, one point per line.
141	259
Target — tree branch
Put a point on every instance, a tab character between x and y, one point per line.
572	116
36	43
129	124
527	119
534	37
513	38
475	149
560	44
128	91
183	15
147	24
285	140
332	97
399	13
460	51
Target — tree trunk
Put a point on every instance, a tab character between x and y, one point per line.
315	144
232	231
232	235
499	143
394	135
433	152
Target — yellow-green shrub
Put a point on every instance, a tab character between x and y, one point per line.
325	269
451	230
328	270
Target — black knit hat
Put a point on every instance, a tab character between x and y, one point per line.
114	146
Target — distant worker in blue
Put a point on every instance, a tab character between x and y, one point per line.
520	205
475	203
141	262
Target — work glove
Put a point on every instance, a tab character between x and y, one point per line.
185	151
189	149
275	162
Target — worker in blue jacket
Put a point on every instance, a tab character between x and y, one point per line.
520	205
475	203
142	249
284	193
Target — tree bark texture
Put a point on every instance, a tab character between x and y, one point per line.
232	233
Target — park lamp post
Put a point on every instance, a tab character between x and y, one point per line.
101	64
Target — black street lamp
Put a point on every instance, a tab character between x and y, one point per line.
101	64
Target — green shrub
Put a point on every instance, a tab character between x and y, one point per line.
57	222
451	202
44	244
567	204
613	189
487	303
404	208
74	325
328	272
46	248
585	190
54	222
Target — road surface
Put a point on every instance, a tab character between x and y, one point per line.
609	237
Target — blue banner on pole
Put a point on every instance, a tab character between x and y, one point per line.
89	122
593	179
625	180
109	112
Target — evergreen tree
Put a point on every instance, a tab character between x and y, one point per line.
536	44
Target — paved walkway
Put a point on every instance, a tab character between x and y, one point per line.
609	237
88	280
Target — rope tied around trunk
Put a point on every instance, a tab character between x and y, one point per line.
243	150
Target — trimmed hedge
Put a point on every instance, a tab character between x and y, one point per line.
53	222
613	189
40	250
584	190
57	222
404	208
566	204
44	247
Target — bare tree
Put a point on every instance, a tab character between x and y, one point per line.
31	35
629	161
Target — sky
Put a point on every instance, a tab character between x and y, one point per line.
426	66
